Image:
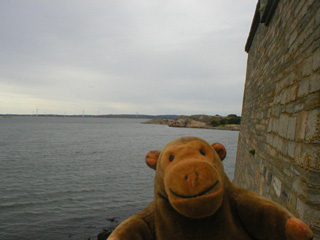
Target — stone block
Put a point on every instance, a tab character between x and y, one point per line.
301	126
277	143
293	92
291	128
315	82
297	156
299	186
276	183
273	152
310	156
277	110
283	128
275	125
283	97
284	151
291	148
303	88
288	95
269	139
270	124
313	126
293	37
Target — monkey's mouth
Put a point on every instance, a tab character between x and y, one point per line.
196	195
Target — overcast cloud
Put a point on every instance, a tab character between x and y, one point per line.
123	56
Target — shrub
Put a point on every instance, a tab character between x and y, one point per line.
214	123
223	121
233	119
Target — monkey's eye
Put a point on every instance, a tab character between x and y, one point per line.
202	152
171	157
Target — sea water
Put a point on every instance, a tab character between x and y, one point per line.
70	178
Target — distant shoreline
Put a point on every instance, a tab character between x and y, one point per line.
179	121
141	116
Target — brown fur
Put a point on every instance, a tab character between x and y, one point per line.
195	200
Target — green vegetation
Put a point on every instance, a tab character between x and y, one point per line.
233	119
230	119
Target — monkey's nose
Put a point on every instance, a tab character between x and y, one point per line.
192	179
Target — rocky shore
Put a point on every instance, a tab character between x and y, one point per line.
158	121
230	122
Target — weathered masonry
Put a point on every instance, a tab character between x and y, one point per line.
279	142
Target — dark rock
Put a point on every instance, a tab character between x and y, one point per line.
113	219
103	235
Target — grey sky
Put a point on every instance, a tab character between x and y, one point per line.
123	56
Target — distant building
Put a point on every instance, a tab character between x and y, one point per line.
279	142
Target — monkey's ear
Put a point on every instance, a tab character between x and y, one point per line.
152	158
220	149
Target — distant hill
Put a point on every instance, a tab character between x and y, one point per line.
230	122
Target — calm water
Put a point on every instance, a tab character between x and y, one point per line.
66	178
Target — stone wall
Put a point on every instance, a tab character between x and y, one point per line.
279	141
